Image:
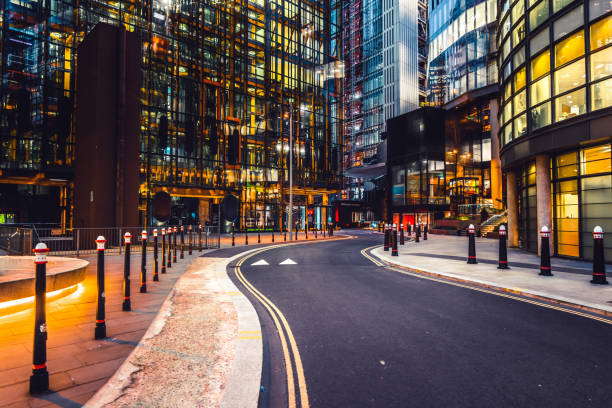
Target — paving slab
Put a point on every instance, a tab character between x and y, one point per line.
447	256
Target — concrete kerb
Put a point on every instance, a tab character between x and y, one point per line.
243	385
548	297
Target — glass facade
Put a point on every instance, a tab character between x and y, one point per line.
461	45
561	64
219	79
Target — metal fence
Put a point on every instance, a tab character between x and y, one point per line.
16	240
81	241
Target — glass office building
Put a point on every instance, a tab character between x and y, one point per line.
556	120
219	79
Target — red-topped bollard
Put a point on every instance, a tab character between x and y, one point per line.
169	263
127	305
417	233
163	269
599	263
258	236
190	241
143	263
503	250
39	381
401	234
182	241
100	330
394	240
233	242
386	244
545	252
425	227
200	238
174	234
471	245
155	263
246	235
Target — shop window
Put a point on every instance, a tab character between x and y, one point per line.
567	216
539	41
595	160
568	22
540	116
540	91
601	64
570	105
570	77
569	49
540	65
601	33
596	198
508	111
599	8
538	14
520	126
601	94
520	102
567	165
519	79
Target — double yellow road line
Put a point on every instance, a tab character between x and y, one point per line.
288	343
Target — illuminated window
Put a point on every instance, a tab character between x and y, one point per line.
520	126
519	57
538	14
518	34
508	111
599	8
507	91
567	165
518	10
567	217
568	23
569	49
519	79
601	94
540	91
540	65
595	160
570	105
570	77
601	33
520	102
508	132
540	116
601	64
539	41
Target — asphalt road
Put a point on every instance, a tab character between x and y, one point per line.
369	336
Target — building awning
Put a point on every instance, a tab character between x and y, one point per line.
368	172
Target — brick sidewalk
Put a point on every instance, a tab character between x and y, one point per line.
79	365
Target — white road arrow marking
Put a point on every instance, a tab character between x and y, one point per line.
260	262
288	261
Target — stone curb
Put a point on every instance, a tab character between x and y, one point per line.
548	297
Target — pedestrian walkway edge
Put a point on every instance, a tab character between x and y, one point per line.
548	297
243	382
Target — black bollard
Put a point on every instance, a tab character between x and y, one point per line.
599	263
143	263
417	233
386	244
182	242
169	234
394	240
190	241
425	227
258	237
545	252
503	250
315	232
233	243
296	232
401	234
100	330
155	254
39	381
471	245
323	228
174	234
200	237
127	306
246	236
273	235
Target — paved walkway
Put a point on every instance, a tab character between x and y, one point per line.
447	255
78	364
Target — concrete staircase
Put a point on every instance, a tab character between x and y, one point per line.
492	223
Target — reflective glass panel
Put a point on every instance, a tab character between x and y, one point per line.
569	77
568	23
601	94
569	49
540	65
538	14
601	33
540	116
540	91
570	105
601	64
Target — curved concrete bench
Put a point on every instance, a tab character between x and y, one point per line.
17	275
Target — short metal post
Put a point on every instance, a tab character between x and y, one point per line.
100	330
169	263
503	250
471	245
39	381
143	263
417	233
401	237
246	235
233	243
155	263
127	306
599	263
425	228
545	252
78	243
163	269
394	241
190	241
182	241
200	237
174	233
258	237
386	240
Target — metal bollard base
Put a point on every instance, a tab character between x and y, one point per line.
39	381
127	305
100	331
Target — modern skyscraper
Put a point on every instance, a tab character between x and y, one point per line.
556	121
384	48
220	80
